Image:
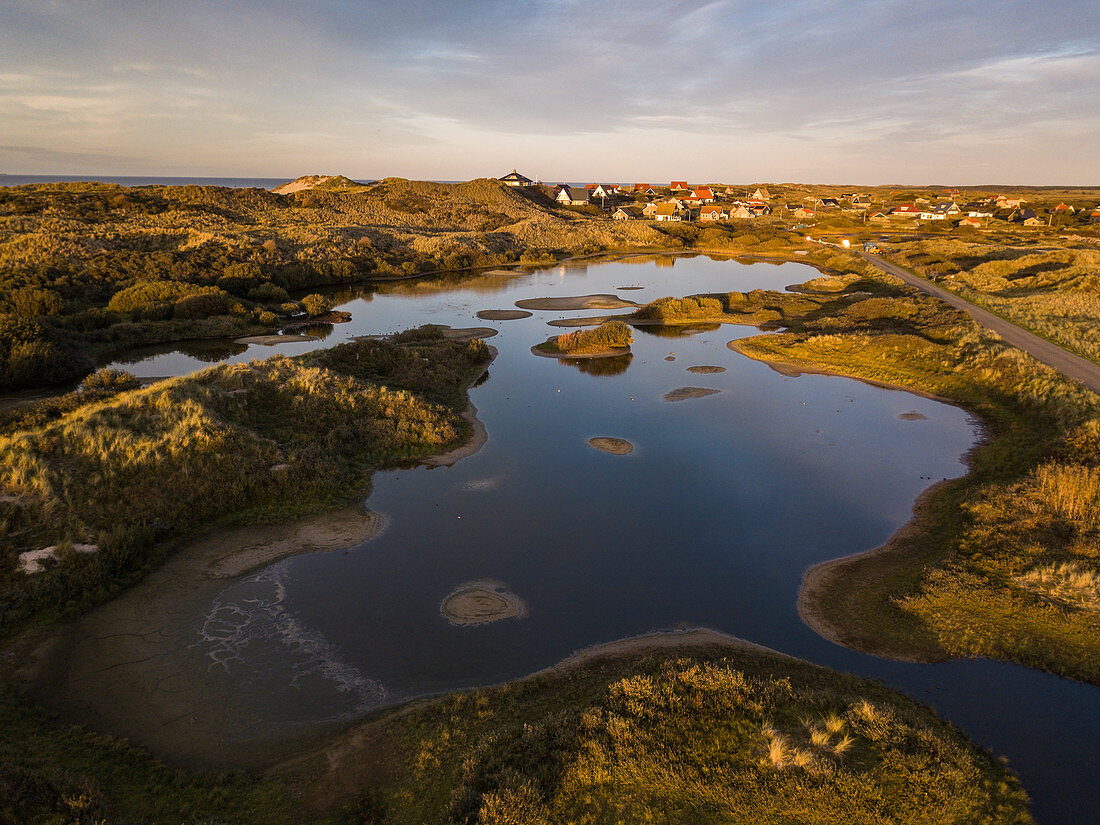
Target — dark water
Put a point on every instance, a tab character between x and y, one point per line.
711	521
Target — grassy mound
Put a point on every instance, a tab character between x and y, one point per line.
610	335
264	440
718	736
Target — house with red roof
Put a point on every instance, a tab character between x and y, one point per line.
703	194
678	184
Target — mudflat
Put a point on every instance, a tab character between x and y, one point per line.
601	301
684	393
610	444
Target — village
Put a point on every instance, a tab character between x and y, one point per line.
931	209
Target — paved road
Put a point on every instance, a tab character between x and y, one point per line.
1072	366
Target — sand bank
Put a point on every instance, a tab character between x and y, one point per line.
610	444
503	314
706	370
271	340
610	352
600	301
684	393
481	602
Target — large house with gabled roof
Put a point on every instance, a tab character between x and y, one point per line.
514	178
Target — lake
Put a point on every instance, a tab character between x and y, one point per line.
711	520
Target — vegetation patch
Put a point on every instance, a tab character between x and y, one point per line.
610	337
714	735
261	441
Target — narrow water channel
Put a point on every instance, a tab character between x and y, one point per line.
711	520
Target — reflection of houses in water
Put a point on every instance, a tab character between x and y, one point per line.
665	260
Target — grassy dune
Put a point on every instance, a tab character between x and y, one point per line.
1002	563
261	441
718	735
1053	292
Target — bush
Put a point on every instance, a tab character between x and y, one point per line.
268	293
109	380
669	310
150	293
30	302
608	335
202	305
316	304
268	318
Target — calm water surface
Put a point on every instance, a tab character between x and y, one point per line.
711	521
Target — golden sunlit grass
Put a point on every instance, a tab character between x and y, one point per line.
718	736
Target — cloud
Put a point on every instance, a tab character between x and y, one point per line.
731	83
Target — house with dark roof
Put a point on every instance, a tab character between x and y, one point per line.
627	213
573	196
761	194
514	178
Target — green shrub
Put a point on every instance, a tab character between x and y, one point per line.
268	293
669	310
148	293
30	302
608	335
202	305
316	304
110	380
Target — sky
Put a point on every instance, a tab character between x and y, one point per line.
828	91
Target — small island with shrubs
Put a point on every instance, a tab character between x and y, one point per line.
609	339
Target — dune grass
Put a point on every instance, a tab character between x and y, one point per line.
610	335
963	580
714	735
1053	292
262	441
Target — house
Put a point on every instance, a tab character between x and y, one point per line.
761	194
878	217
714	212
977	209
1033	221
650	209
514	178
703	194
974	222
644	189
627	213
677	202
792	207
571	196
947	208
667	212
1021	216
932	216
830	203
1008	203
804	212
905	210
678	184
758	208
604	190
1065	207
861	201
742	212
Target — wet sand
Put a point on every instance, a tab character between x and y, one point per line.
706	370
912	415
684	393
612	445
610	352
503	314
482	602
601	301
466	333
271	340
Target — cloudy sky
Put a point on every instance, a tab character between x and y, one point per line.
856	91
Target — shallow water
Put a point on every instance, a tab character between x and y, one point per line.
711	521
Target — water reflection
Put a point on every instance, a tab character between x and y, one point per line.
600	366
